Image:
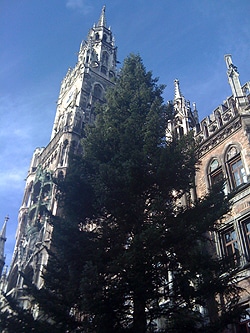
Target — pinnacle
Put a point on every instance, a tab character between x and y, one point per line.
102	19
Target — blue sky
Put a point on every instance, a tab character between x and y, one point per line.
184	39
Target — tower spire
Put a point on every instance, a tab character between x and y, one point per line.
2	243
185	118
102	19
177	91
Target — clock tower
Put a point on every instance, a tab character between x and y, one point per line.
83	86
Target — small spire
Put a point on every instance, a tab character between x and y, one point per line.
2	243
195	113
3	231
177	92
102	19
233	79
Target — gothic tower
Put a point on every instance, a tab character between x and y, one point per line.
183	119
82	87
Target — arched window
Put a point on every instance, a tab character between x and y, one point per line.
179	131
98	91
105	38
235	167
105	58
88	56
104	70
215	173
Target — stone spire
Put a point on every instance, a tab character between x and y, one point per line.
102	19
185	118
177	91
2	243
234	80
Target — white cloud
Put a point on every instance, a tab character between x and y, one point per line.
78	5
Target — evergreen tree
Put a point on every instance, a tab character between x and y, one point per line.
131	248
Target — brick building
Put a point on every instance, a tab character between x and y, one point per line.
224	138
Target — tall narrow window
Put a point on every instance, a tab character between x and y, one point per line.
246	230
98	91
230	246
215	173
105	58
237	173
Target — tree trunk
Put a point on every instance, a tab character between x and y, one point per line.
139	316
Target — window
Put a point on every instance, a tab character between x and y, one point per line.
236	169
230	246
244	325
105	58
98	91
179	131
238	172
104	70
215	173
246	232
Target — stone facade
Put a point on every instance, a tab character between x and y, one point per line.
224	144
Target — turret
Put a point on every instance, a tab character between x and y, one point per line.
234	81
2	244
185	118
87	82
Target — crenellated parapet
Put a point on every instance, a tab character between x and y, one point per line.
229	117
223	121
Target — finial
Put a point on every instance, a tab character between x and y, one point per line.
234	80
102	19
230	66
228	59
177	92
